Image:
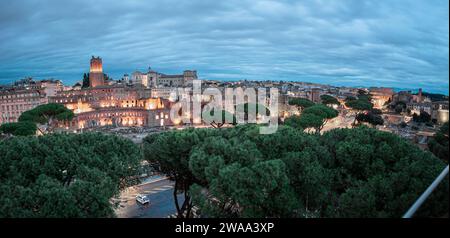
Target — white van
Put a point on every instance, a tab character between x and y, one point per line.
142	199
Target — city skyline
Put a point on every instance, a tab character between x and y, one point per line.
267	109
343	43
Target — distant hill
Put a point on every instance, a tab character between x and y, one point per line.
435	96
413	90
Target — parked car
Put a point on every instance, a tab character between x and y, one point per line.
142	199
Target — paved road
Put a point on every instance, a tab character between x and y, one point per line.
161	201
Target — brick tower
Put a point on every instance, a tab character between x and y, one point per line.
96	72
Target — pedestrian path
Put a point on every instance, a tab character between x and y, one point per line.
133	194
162	188
152	179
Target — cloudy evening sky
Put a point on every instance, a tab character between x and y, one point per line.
340	42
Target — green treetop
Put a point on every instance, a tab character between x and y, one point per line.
47	114
65	175
23	128
301	103
329	100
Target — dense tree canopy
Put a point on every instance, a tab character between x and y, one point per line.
85	80
23	128
217	121
64	175
43	113
301	103
360	172
310	120
439	143
372	118
398	107
361	104
329	100
322	111
314	117
255	109
169	154
47	114
350	98
293	121
423	117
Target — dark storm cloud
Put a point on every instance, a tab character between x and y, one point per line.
354	42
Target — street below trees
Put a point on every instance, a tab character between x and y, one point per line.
161	204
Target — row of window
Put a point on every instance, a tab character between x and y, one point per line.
22	95
91	99
17	107
7	119
11	114
20	100
135	114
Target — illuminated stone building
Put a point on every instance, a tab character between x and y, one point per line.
380	96
111	116
153	79
181	80
314	95
50	86
119	105
96	77
15	101
140	78
417	108
440	112
113	105
403	96
170	93
24	95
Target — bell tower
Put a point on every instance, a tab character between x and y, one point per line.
96	72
